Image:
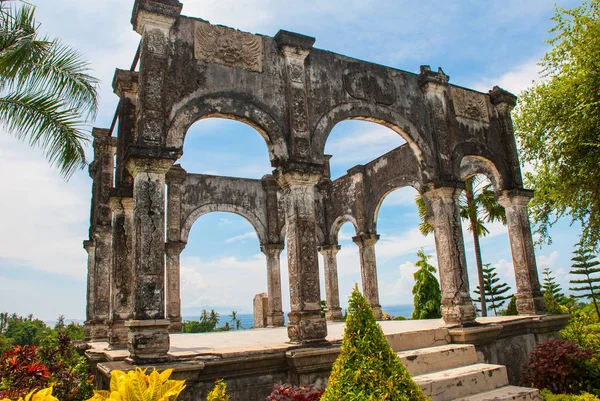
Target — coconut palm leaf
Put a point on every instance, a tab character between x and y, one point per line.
425	227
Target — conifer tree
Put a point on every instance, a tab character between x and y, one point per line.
586	264
494	293
552	287
426	291
367	367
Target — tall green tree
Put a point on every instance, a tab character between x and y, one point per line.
478	206
557	123
494	290
426	291
46	94
585	264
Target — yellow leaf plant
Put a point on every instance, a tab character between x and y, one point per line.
44	394
136	385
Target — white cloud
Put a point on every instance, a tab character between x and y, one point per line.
241	237
515	81
547	260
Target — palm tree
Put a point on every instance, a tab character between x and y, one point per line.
46	95
478	205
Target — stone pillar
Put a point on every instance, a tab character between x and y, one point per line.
275	311
89	247
457	307
298	195
530	299
368	270
261	310
103	268
174	249
121	202
333	312
148	331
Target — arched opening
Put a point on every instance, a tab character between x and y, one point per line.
221	146
222	268
397	221
354	142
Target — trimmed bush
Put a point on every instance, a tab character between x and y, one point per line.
367	367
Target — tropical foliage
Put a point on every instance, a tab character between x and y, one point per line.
367	368
46	94
219	392
556	123
37	395
287	392
136	385
427	296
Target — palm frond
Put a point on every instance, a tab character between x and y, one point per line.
425	227
44	122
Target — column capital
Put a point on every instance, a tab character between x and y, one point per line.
332	249
515	197
433	80
137	164
294	45
156	13
272	249
503	100
174	247
176	174
88	245
365	239
120	202
125	82
297	178
445	190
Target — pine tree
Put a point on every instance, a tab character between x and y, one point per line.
494	293
552	287
426	291
585	264
367	367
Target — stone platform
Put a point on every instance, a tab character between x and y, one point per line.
251	361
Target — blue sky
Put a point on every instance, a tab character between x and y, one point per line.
478	44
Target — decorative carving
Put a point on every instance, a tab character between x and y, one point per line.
470	104
370	85
222	45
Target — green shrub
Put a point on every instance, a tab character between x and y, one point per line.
219	392
582	331
367	367
549	396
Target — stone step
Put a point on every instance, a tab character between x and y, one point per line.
507	393
432	359
418	339
463	381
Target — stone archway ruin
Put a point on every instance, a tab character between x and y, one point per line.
293	95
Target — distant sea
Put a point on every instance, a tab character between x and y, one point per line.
248	318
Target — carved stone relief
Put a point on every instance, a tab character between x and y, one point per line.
370	85
470	104
222	45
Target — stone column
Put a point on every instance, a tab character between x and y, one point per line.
89	247
457	307
368	270
530	299
103	268
298	195
121	202
275	312
333	312
174	249
148	331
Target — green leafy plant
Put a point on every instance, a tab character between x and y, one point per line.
136	385
511	309
427	296
549	396
367	368
37	395
494	291
562	367
582	331
586	265
219	392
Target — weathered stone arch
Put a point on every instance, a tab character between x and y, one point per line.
337	224
231	107
249	215
376	114
470	158
401	184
